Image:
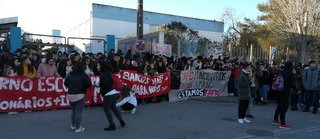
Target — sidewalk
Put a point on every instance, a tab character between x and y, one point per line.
222	99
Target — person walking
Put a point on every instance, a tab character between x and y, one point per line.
77	81
244	93
283	96
109	95
311	84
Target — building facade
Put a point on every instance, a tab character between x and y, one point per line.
121	22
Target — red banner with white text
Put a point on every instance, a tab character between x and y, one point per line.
21	94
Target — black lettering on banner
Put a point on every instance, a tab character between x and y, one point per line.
190	93
204	84
211	76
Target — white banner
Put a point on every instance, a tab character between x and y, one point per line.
162	49
201	83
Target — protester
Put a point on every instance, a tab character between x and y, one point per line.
311	83
283	96
48	68
77	82
10	69
114	62
109	95
129	100
264	84
188	65
26	69
197	64
294	95
4	58
65	67
254	88
243	83
88	66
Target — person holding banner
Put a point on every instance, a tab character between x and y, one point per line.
26	69
77	82
244	95
109	95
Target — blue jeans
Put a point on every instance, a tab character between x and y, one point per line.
312	98
76	114
236	89
263	90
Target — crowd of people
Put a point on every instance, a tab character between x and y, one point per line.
300	88
258	78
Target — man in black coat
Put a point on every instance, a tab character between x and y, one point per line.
114	63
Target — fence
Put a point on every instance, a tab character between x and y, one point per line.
258	54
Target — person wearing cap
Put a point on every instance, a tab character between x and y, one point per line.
114	63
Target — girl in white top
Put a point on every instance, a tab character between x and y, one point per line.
129	101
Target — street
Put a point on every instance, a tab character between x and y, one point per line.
188	119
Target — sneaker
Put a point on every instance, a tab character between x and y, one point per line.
81	129
274	122
123	111
73	127
240	121
122	123
285	126
246	120
133	111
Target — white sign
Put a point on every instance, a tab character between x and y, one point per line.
162	49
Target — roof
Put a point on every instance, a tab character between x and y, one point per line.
6	23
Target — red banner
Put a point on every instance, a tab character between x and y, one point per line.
145	86
21	94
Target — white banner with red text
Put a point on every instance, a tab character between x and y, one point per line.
162	49
21	94
201	83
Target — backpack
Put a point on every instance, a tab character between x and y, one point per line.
278	83
117	84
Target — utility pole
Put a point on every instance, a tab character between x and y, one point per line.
140	20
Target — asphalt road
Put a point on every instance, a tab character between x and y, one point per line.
188	119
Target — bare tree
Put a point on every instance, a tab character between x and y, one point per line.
231	19
296	19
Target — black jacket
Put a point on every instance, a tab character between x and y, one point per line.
77	83
114	65
105	83
288	82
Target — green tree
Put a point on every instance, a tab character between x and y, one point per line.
184	36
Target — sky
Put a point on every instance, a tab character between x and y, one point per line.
41	16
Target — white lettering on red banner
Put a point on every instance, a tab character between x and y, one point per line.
20	93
